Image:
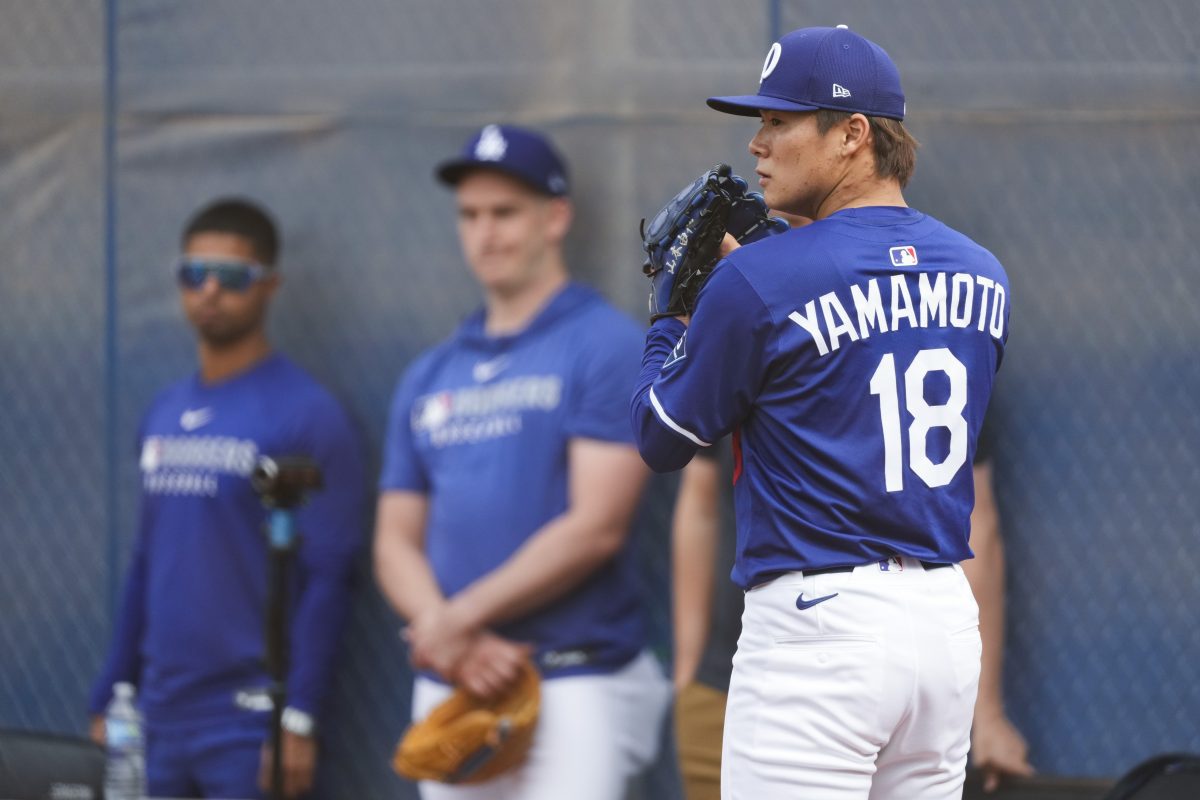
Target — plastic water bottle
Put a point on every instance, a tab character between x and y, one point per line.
125	767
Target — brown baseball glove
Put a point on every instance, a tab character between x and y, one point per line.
468	740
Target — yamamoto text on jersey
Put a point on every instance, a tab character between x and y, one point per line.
883	305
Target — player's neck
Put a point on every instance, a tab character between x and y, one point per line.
509	312
221	362
857	191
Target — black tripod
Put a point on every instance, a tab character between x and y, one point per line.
283	485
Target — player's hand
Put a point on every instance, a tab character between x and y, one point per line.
681	680
998	749
728	245
299	764
491	665
96	730
439	639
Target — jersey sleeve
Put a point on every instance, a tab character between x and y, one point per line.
597	398
402	467
696	383
331	525
124	660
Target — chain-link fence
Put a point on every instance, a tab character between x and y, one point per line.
1058	135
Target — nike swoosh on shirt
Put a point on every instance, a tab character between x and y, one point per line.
484	371
191	419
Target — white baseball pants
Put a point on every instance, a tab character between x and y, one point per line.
594	733
866	694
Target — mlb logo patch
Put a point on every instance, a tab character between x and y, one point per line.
905	256
892	564
432	412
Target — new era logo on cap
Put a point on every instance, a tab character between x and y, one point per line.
832	68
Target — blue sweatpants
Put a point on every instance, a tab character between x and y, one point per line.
219	759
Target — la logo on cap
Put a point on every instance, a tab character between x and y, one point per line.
492	145
772	61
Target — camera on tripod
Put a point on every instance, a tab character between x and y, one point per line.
284	482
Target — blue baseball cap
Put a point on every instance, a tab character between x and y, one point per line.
526	155
813	68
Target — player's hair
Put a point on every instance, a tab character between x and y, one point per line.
895	148
239	217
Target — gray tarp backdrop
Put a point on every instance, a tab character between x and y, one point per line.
1063	136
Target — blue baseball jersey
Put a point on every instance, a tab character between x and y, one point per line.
190	628
481	425
853	360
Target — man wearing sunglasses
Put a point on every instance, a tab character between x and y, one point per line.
189	633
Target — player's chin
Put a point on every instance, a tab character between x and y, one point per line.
493	271
208	324
498	282
779	201
503	278
768	190
223	332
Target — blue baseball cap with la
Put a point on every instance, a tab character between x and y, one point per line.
526	155
813	68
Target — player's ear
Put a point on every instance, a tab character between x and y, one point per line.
270	283
856	133
559	213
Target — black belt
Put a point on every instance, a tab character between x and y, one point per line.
828	570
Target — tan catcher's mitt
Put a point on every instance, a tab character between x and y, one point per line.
468	740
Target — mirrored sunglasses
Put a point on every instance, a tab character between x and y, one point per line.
236	276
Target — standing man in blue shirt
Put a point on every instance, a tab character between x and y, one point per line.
190	631
852	359
509	481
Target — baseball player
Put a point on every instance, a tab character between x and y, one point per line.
189	632
707	609
853	360
509	481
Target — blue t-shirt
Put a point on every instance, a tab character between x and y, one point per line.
481	425
853	359
190	629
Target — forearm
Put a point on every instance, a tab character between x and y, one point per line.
986	575
691	614
405	577
693	561
662	448
987	582
316	633
604	483
556	559
691	633
124	659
